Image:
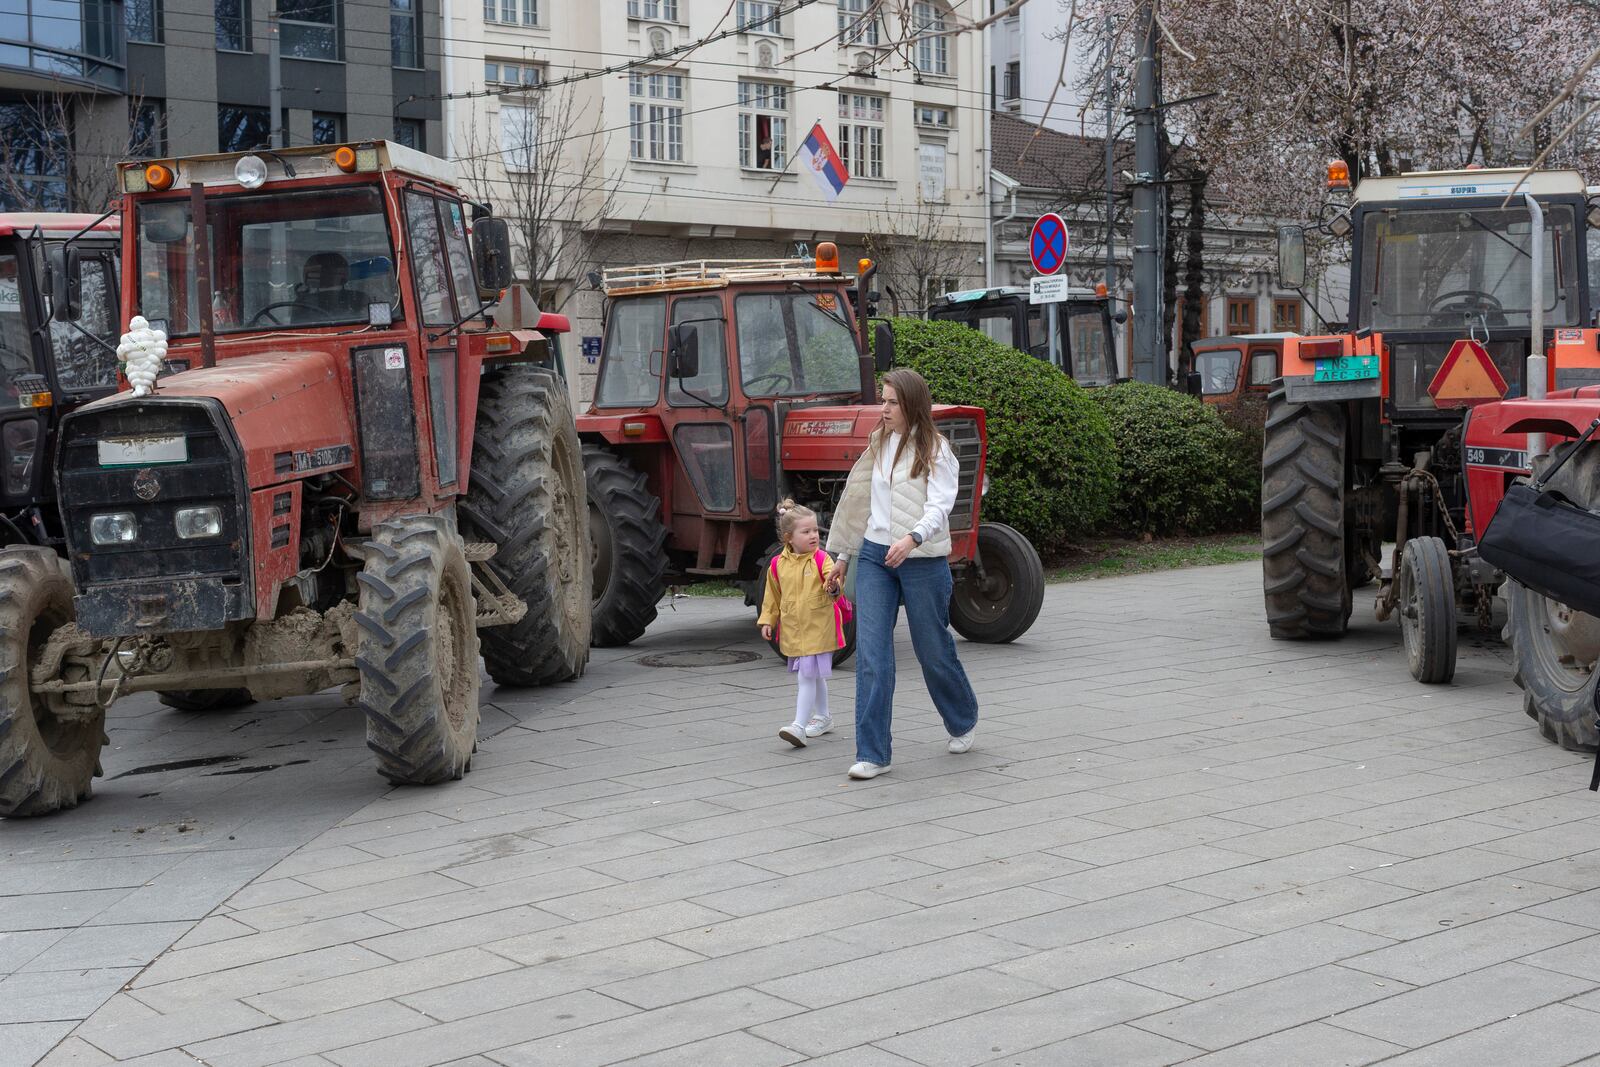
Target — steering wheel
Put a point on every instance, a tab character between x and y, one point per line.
1477	300
753	385
256	318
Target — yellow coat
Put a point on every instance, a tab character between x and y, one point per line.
798	605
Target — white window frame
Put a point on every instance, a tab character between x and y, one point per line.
527	74
863	134
656	10
521	12
655	116
928	115
757	98
855	26
932	55
759	16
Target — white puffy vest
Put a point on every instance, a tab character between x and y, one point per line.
908	498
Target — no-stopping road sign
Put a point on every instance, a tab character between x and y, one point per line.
1047	244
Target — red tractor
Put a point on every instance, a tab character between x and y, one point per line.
1239	369
725	387
1461	282
345	476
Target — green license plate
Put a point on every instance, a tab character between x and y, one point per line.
1346	369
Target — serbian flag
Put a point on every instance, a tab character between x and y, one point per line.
817	156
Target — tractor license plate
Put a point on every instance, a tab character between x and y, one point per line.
143	451
1346	369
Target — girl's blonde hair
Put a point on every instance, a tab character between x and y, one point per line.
789	515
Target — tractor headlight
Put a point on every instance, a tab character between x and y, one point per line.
193	523
113	528
250	172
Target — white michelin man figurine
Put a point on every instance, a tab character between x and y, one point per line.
143	352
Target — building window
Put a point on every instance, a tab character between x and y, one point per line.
233	25
240	128
758	16
518	137
1286	316
405	33
510	75
512	12
143	19
1013	82
37	153
655	117
861	134
763	125
326	127
661	10
1241	315
309	29
938	117
147	129
409	132
858	23
933	48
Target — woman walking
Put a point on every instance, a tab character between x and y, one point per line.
893	524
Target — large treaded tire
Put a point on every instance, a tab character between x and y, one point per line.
527	495
417	651
1427	609
629	546
1555	651
46	763
1006	605
205	699
1303	520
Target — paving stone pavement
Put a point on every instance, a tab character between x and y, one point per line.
1176	842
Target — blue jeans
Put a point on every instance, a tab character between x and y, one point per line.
923	586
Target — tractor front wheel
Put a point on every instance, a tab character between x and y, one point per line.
1426	592
1304	567
417	651
628	547
1004	603
527	496
47	761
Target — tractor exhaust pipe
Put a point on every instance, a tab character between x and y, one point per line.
1535	372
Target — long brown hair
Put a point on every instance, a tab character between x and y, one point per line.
916	404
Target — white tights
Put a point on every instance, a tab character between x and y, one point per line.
812	700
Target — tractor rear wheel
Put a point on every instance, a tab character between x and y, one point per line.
1426	593
1555	650
205	699
47	762
417	651
527	496
1303	519
1004	604
629	547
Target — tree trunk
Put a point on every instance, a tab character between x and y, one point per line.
1194	274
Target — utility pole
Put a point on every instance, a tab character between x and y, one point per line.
1147	347
1111	185
280	136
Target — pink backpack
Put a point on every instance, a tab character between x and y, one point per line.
843	610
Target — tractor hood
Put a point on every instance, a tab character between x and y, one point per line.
831	437
285	407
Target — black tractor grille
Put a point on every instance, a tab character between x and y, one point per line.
968	447
210	474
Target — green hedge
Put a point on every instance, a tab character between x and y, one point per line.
1180	468
1052	465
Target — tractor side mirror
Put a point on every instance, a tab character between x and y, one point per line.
491	256
66	282
882	346
683	351
1192	383
1119	317
1291	257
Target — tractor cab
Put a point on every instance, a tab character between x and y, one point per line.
49	364
1234	367
1074	334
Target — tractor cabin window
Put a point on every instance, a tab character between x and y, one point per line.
795	344
277	258
1219	370
428	266
630	374
1263	366
710	386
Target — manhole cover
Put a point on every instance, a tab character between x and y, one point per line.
709	657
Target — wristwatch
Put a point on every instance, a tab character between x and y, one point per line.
915	536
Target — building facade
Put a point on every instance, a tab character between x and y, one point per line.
84	83
1026	78
689	155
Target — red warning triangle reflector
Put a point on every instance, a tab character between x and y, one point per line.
1466	377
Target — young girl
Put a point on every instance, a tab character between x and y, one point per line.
800	608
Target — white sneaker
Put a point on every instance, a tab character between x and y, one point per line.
867	770
963	743
794	734
818	727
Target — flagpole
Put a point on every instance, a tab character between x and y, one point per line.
792	154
